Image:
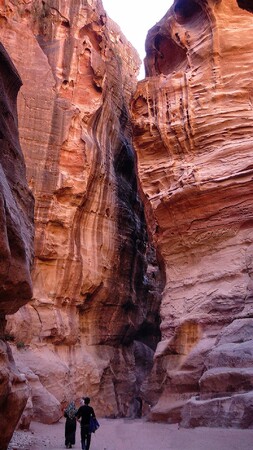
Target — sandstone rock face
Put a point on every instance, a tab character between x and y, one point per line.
16	213
96	299
16	245
193	133
14	393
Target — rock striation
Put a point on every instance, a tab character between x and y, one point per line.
93	323
193	136
16	245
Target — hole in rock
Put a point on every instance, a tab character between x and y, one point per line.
94	37
170	56
96	86
149	334
140	106
128	306
124	163
65	23
246	4
185	10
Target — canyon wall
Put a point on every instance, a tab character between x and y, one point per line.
16	245
193	119
93	323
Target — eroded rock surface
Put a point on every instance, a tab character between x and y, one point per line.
16	245
96	288
16	210
193	135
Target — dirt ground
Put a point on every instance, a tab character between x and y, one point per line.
124	434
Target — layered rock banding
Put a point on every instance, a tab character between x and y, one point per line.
193	135
93	323
16	245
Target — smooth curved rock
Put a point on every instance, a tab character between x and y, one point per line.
14	393
16	201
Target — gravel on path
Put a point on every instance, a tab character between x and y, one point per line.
125	434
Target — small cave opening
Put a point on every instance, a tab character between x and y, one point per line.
65	23
149	333
169	55
124	163
185	11
246	4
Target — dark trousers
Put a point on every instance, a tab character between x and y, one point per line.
70	431
85	437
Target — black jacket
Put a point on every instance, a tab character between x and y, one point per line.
85	412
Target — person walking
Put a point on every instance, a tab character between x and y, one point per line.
85	413
70	424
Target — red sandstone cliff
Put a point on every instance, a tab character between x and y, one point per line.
16	245
193	132
93	323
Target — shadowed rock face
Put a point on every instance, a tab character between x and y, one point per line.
16	245
96	282
193	134
16	202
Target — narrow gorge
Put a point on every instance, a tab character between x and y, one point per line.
130	273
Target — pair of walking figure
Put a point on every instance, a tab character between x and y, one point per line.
87	418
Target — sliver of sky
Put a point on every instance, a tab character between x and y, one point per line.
135	18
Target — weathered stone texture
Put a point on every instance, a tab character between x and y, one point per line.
16	209
95	272
16	245
193	135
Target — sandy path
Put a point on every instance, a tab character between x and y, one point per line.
137	434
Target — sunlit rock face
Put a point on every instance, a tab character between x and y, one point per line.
16	245
193	135
96	283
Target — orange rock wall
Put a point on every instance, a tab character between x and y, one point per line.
193	136
95	304
92	326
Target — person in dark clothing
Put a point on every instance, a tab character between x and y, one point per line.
85	412
70	425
